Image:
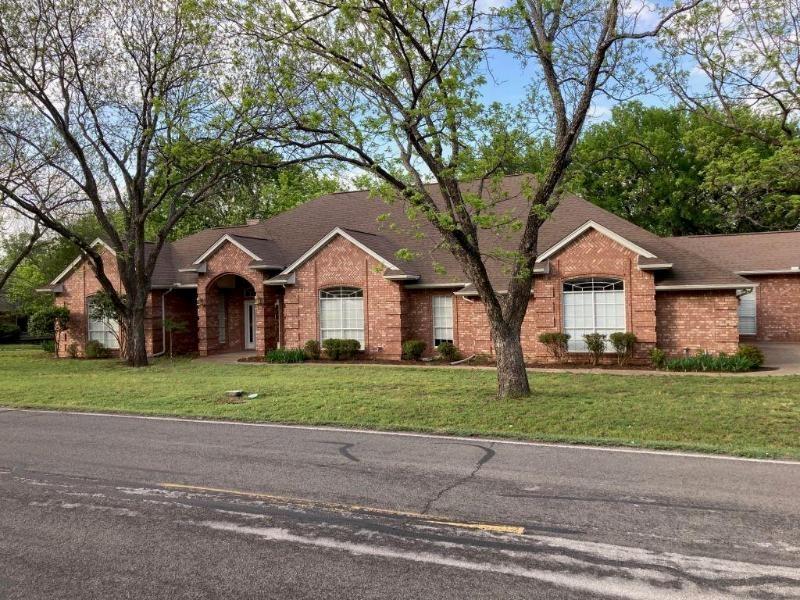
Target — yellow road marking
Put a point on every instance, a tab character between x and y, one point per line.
490	527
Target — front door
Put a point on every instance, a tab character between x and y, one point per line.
249	325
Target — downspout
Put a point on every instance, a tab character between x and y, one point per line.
163	324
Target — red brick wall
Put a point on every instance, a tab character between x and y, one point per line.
82	283
697	320
341	263
180	305
228	260
777	308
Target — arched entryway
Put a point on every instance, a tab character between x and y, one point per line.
232	323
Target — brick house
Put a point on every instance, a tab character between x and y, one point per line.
331	268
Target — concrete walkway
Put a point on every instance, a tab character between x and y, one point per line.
784	357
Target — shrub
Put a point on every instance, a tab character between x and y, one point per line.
312	349
44	322
49	346
9	333
752	353
341	349
286	355
596	344
413	349
658	358
448	351
72	350
95	349
556	344
623	343
709	362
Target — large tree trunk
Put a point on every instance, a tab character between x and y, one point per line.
512	378
135	346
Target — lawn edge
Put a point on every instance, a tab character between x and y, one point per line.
687	449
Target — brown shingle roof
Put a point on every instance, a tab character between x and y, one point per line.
386	229
748	252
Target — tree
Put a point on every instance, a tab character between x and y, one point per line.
49	321
736	62
17	251
392	88
94	94
676	172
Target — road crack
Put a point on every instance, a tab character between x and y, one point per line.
488	454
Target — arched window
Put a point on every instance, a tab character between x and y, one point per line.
592	305
341	314
104	331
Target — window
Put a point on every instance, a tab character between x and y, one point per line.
442	319
103	331
341	314
747	313
592	306
222	320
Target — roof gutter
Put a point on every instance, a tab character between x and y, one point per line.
789	271
706	286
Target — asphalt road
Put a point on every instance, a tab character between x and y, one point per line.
119	507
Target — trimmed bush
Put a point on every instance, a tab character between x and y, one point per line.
286	355
752	353
556	344
709	362
95	349
623	343
596	345
658	358
49	346
9	333
413	349
337	349
313	350
44	322
448	351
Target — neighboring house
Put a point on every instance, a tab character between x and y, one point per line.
330	268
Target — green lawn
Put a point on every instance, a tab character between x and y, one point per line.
751	416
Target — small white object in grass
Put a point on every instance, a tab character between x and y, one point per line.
252	396
234	393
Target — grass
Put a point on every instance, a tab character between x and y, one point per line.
746	416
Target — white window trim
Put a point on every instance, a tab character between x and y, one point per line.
363	338
564	293
433	318
110	328
755	313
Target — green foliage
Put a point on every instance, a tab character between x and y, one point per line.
448	351
677	173
623	343
658	358
337	349
9	333
556	343
102	307
49	346
710	362
313	349
95	349
751	353
286	355
72	350
45	322
596	345
413	349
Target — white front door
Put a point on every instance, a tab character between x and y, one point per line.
249	325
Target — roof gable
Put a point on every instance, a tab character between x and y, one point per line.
80	258
226	238
339	232
576	233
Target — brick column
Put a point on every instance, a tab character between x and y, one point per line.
202	323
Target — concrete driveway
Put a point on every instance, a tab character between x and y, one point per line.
783	356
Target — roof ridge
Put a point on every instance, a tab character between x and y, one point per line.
709	235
